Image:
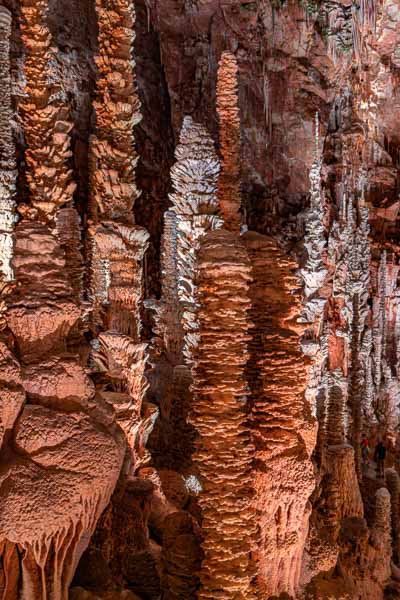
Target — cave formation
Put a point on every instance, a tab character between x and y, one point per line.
199	299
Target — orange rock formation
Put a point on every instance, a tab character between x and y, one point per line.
224	450
52	431
117	244
229	127
283	429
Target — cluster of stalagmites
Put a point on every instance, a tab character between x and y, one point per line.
230	331
236	410
352	391
61	436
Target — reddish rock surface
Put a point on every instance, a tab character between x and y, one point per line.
199	292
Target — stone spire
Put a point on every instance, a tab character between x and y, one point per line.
229	195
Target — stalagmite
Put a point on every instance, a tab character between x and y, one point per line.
383	516
194	177
45	119
229	127
117	245
45	404
224	451
393	484
283	429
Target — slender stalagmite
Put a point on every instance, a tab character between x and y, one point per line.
223	447
229	124
45	120
195	177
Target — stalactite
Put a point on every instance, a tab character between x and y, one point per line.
229	126
224	450
8	173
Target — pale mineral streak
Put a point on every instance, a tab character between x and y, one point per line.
8	173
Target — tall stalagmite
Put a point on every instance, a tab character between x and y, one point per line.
283	429
117	244
220	411
194	176
224	450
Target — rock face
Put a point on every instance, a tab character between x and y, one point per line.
199	299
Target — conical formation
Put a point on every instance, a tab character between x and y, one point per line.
224	450
49	423
194	177
229	133
117	245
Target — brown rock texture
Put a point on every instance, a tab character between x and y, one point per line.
229	131
283	429
223	448
116	244
199	299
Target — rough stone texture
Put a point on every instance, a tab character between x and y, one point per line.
223	447
284	431
231	83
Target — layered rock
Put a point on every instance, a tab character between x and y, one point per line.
117	245
45	118
51	431
283	429
223	447
194	176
